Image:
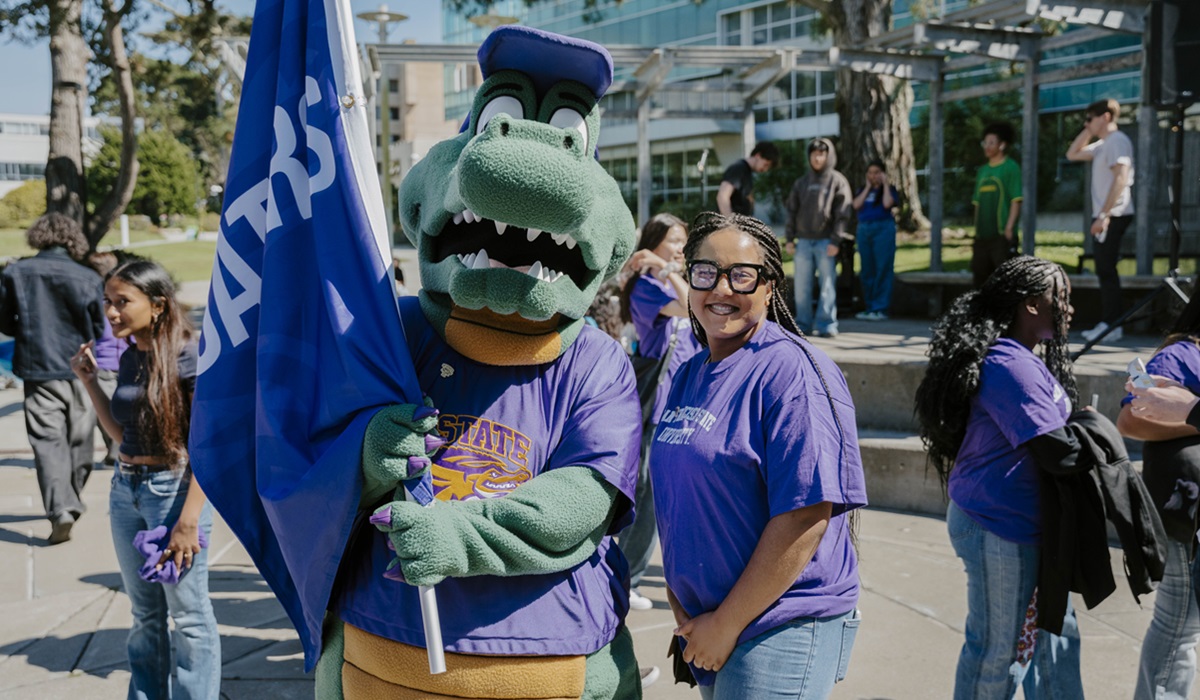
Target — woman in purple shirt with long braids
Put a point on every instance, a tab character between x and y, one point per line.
992	414
756	473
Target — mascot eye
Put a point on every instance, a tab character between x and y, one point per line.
504	104
570	119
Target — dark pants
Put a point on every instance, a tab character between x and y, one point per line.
987	254
1108	254
637	541
108	384
59	421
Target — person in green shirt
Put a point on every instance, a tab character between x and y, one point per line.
997	203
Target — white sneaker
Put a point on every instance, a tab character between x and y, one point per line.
637	601
1099	330
649	676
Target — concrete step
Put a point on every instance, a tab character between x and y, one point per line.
894	465
883	390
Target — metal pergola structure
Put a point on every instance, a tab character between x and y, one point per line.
1004	30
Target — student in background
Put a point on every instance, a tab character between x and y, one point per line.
50	303
736	193
997	201
655	302
876	203
1111	155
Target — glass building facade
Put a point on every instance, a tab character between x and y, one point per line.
798	106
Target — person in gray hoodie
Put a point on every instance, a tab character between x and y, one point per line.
818	209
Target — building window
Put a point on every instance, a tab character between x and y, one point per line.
394	113
22	171
677	185
393	85
771	23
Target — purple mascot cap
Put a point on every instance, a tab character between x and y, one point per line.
546	58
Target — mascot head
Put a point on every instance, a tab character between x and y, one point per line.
516	224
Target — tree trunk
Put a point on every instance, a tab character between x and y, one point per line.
68	65
873	110
115	202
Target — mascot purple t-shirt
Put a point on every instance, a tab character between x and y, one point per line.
504	426
995	480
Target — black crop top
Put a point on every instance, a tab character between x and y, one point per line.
132	375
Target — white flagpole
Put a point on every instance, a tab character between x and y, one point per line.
344	52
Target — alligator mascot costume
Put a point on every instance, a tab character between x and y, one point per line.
530	427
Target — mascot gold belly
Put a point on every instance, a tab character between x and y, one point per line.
530	431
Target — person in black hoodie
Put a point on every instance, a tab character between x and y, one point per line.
51	304
818	209
1171	469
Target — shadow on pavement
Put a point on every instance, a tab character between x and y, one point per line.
102	652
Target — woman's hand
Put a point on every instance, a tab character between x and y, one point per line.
643	261
184	544
1167	402
710	640
83	363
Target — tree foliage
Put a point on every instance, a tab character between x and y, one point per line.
168	181
21	206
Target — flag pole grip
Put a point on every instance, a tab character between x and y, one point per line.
433	630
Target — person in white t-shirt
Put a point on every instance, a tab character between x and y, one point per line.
1112	203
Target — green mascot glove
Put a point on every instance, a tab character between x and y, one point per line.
397	446
547	524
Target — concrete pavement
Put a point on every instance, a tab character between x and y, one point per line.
63	618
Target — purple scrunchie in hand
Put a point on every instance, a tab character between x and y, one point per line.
150	544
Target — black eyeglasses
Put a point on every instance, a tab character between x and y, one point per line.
744	278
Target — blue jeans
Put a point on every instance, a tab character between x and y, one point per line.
810	260
798	661
877	246
1001	578
142	501
1169	650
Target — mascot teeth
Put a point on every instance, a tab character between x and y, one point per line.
500	228
532	234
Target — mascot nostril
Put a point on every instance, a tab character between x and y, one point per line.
533	449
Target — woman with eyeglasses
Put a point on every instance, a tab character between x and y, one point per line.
756	474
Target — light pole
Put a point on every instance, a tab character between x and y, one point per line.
384	18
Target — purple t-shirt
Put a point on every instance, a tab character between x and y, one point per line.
1179	361
505	426
995	479
648	297
742	441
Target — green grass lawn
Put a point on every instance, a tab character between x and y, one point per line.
187	261
912	253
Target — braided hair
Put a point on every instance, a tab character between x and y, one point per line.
961	340
708	223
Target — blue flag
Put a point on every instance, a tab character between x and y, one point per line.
302	340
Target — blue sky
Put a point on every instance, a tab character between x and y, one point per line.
25	78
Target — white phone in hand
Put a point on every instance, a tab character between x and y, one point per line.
1138	375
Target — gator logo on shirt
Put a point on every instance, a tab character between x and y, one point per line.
482	459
